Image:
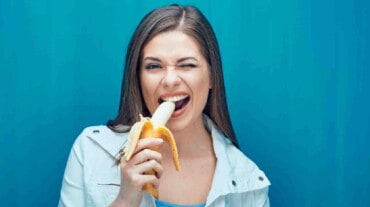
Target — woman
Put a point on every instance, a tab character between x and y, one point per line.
174	56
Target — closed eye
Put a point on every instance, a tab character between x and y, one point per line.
188	65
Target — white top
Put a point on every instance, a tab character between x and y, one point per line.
92	179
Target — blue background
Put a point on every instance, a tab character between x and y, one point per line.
297	76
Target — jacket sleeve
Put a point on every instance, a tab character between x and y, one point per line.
72	192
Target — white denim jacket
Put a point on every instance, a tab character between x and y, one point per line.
92	179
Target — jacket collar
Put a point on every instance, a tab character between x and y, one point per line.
110	141
234	173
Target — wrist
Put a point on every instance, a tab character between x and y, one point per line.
121	202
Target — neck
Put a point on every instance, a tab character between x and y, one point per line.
194	141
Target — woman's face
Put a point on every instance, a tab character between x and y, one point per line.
173	69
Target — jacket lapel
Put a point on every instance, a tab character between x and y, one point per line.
234	172
110	141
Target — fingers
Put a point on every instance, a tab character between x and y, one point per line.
145	164
149	171
143	152
145	155
148	166
138	181
148	143
144	161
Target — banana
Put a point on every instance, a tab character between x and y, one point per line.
154	127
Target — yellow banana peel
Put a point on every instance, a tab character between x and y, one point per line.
153	127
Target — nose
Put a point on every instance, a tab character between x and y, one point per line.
171	78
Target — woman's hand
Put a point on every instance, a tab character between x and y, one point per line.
132	172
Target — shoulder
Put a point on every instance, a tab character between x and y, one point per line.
102	137
239	160
237	176
92	164
98	131
234	158
241	164
236	164
249	183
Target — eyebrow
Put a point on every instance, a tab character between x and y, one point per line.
186	58
178	61
152	58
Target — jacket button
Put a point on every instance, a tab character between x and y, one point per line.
260	178
96	131
233	182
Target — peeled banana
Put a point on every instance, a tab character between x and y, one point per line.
153	127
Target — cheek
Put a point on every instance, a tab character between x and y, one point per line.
147	81
200	87
148	86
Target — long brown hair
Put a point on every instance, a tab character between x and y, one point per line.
193	23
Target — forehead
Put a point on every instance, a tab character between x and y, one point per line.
172	44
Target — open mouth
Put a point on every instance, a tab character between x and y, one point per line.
180	101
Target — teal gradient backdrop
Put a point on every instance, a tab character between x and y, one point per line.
297	76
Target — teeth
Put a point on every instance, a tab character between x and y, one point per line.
175	98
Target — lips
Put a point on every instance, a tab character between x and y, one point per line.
180	100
